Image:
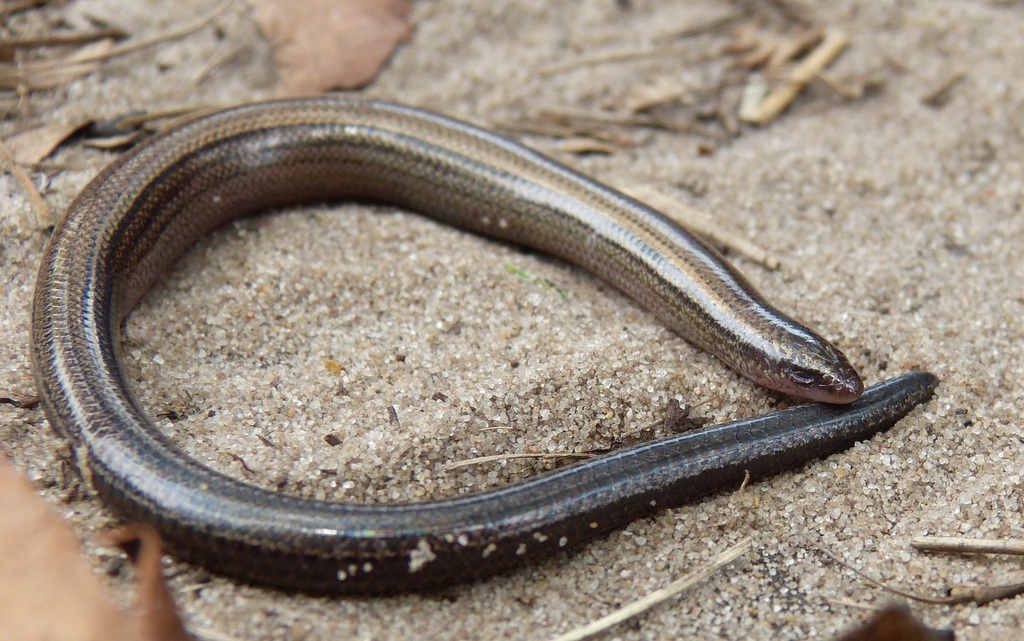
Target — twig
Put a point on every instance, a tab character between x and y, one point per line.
701	29
940	95
639	54
59	39
614	56
703	224
957	594
21	402
46	74
967	546
500	457
145	43
173	115
14	6
631	120
850	603
49	166
656	597
587	145
43	74
42	213
796	14
547	125
567	123
982	594
216	62
888	588
847	91
8	104
780	98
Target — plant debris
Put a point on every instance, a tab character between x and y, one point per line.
942	93
895	623
762	110
32	146
329	44
702	224
644	604
42	572
49	73
1004	588
959	545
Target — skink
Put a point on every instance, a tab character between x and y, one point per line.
141	212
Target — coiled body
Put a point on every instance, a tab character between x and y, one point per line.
150	205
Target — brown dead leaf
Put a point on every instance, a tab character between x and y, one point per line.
156	615
895	623
30	147
331	44
42	573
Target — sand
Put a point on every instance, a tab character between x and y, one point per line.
900	232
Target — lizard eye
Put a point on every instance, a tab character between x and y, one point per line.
802	377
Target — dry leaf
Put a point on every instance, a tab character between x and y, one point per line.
42	573
331	44
895	623
156	616
32	146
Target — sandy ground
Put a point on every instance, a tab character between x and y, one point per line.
900	229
